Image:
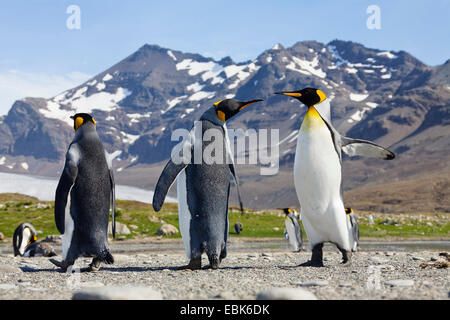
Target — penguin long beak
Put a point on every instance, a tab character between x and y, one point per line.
247	103
289	93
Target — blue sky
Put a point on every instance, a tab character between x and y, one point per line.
40	56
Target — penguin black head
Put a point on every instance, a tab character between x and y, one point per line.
24	235
348	210
81	118
287	210
228	108
308	96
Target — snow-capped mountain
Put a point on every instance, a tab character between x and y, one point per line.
388	97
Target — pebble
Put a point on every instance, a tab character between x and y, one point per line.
7	286
399	283
92	284
313	283
118	293
378	259
418	258
345	284
285	294
226	295
9	269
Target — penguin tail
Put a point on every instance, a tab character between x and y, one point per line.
106	257
214	261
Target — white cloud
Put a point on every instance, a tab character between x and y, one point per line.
17	84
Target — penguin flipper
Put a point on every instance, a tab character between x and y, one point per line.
65	184
113	202
358	147
233	172
165	181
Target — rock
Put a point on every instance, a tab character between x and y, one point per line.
399	283
276	229
120	228
429	224
345	284
9	269
314	283
7	286
378	260
167	230
286	294
264	254
418	258
354	271
92	284
226	295
117	293
121	258
154	219
134	227
2	236
53	238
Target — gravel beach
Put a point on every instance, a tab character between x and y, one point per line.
244	274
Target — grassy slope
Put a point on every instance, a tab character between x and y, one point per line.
144	222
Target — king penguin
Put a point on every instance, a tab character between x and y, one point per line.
84	196
318	177
26	245
293	229
203	187
353	227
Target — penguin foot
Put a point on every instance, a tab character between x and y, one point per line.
194	264
94	266
312	263
61	264
346	257
316	258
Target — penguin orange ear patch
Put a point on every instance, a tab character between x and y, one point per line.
78	122
221	115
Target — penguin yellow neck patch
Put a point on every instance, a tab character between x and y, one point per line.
312	120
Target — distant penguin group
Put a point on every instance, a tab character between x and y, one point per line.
85	196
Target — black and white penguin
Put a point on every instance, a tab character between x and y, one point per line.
84	196
238	227
25	243
353	228
203	187
318	177
293	230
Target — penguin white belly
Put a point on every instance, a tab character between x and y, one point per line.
290	228
317	179
26	234
184	215
68	228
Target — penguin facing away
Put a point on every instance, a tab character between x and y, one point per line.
318	177
293	229
25	243
353	228
203	188
238	227
84	196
